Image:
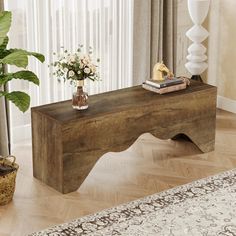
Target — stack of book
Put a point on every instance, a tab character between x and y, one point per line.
164	86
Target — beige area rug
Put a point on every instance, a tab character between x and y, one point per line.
205	207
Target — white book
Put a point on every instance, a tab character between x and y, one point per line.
164	83
164	90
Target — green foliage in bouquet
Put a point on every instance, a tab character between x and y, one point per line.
16	57
75	66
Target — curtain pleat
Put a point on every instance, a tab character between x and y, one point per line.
4	139
170	33
154	36
141	40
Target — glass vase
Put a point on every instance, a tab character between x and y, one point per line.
80	97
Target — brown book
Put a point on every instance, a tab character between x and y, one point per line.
166	89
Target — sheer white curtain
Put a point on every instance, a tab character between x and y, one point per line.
46	25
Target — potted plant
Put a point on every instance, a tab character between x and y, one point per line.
18	58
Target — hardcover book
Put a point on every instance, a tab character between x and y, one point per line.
164	83
165	89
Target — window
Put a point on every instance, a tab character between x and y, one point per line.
47	25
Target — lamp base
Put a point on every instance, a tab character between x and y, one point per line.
197	78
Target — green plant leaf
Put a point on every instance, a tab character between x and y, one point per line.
16	58
39	56
20	99
5	24
24	75
5	53
3	46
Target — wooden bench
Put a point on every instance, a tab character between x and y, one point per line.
67	143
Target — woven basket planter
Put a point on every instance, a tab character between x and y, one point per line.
7	181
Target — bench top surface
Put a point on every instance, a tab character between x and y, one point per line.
114	101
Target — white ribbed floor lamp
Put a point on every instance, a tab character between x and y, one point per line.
196	65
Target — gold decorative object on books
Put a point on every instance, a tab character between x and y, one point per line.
160	70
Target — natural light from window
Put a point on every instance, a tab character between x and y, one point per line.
47	25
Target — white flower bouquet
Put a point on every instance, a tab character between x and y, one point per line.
75	66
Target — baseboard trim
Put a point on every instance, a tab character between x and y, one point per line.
226	104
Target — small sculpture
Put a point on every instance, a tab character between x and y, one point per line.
160	71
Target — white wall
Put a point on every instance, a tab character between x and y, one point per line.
222	52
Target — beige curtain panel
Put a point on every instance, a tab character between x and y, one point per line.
154	36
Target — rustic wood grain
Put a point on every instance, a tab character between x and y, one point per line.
70	142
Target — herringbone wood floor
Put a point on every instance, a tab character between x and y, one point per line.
149	166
